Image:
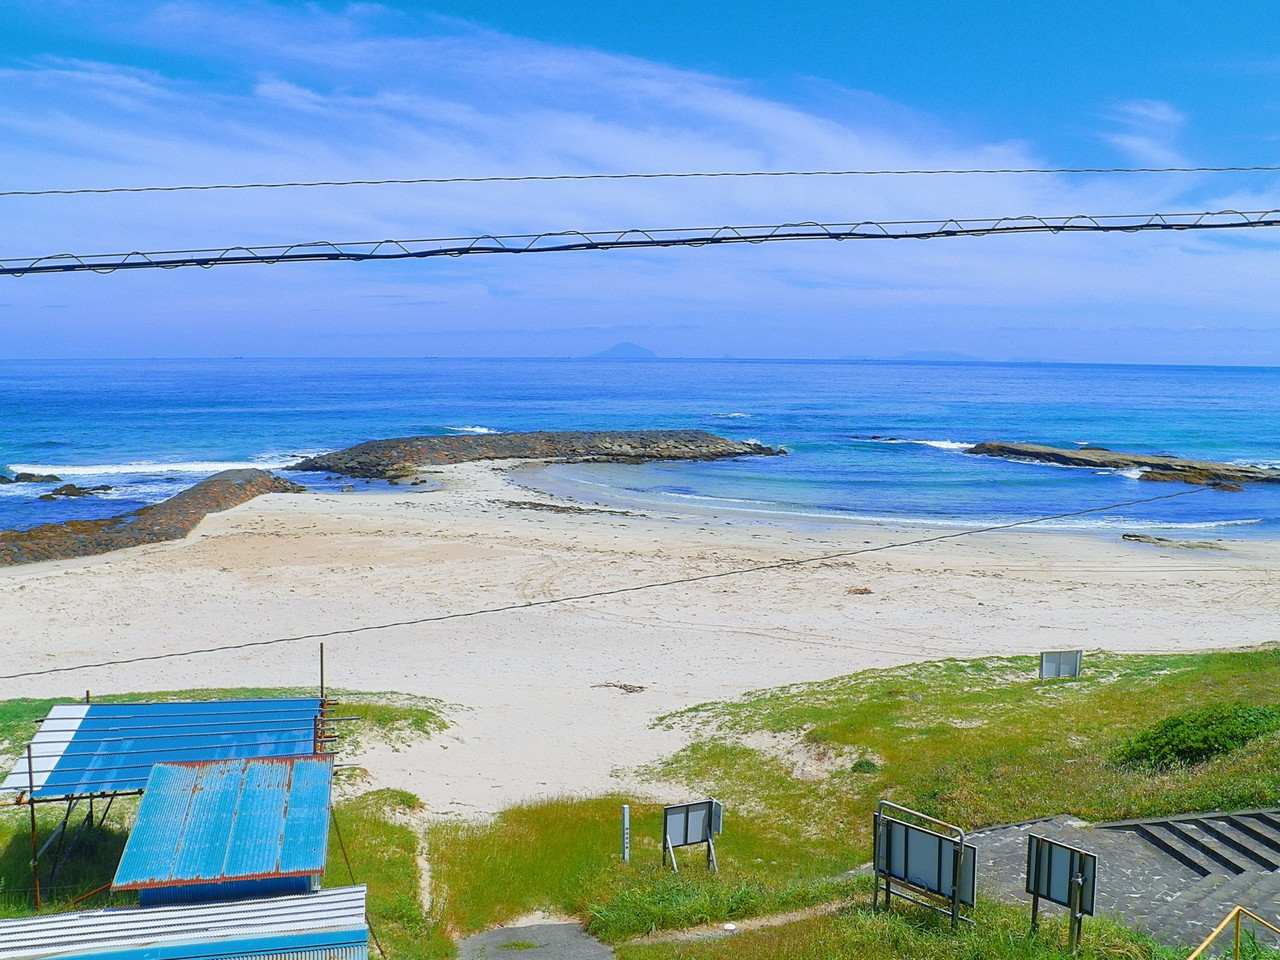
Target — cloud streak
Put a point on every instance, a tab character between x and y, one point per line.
288	93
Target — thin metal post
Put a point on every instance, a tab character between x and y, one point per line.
322	670
1237	936
626	833
1074	917
35	852
957	865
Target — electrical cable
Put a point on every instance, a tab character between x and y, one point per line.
632	176
613	592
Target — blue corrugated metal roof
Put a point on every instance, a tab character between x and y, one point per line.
329	924
85	749
228	820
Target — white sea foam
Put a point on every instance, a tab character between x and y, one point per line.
473	430
149	467
1133	473
937	444
731	416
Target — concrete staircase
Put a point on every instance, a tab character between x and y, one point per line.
1227	844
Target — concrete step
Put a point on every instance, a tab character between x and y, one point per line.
1250	845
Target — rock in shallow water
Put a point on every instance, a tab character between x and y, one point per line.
388	459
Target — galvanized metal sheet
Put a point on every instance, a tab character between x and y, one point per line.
85	749
332	920
229	820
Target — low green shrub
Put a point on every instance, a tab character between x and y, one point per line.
1196	735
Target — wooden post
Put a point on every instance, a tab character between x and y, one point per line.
35	850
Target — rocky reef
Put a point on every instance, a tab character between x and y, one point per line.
1153	466
392	459
170	520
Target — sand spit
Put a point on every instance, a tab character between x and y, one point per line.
170	520
541	704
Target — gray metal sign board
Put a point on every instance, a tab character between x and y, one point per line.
925	859
1051	866
684	824
1060	663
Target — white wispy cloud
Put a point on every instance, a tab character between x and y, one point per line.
259	92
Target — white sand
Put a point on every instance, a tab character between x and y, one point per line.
531	718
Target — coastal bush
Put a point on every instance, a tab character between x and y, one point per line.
1196	735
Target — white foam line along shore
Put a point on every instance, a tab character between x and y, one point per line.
532	717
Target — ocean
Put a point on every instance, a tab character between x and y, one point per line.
149	428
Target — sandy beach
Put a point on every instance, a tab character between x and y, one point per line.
536	702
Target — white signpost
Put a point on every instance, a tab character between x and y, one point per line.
685	824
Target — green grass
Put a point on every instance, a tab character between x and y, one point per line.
563	855
973	742
381	850
983	742
1000	933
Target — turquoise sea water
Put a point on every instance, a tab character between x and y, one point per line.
150	428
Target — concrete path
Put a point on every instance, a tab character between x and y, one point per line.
532	937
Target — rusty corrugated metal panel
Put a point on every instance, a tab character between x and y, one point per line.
85	749
327	924
229	820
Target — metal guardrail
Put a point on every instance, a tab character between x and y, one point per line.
1233	920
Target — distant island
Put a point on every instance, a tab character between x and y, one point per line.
626	350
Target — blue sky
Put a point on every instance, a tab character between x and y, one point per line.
132	93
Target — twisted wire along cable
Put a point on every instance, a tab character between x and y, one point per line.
577	240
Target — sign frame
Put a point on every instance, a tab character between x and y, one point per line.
1060	664
939	866
1065	875
689	824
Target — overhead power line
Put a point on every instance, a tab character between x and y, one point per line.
570	240
597	594
630	176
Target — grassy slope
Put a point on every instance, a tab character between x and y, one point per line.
975	742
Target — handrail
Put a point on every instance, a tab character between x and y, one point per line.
1234	915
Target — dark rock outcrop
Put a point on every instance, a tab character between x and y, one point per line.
170	520
71	490
1153	466
36	478
389	459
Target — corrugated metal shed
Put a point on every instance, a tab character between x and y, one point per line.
203	826
329	924
84	749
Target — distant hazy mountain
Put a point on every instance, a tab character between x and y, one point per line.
624	351
936	355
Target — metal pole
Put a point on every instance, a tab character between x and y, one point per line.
1237	936
322	670
1073	905
35	852
957	865
626	833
